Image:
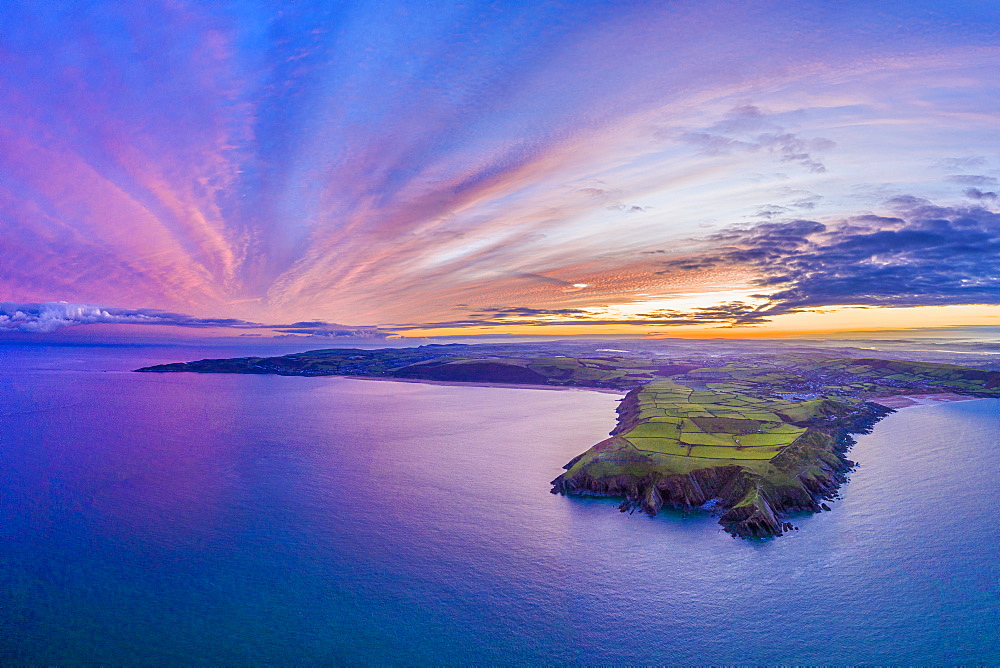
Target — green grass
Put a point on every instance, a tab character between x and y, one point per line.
655	430
707	452
661	445
769	439
731	414
720	422
701	438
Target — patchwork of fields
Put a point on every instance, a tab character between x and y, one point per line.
720	422
737	412
677	420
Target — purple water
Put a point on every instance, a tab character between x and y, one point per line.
186	518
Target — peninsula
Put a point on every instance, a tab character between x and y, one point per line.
757	437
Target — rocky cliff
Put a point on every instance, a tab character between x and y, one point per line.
754	498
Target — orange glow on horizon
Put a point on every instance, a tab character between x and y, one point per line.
821	321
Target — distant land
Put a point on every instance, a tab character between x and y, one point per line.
756	435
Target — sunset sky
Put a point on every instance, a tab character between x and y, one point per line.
436	168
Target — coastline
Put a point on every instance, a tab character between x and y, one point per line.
509	386
681	439
899	401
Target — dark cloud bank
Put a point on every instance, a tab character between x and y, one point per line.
924	255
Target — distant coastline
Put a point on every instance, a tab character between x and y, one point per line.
896	401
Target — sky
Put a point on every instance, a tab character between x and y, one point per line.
425	168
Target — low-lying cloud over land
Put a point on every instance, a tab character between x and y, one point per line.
47	317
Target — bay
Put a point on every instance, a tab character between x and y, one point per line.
221	519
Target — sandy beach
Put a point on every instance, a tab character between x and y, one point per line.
895	401
514	386
910	400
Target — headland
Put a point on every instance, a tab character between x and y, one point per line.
758	437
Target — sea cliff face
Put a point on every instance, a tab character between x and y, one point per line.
754	497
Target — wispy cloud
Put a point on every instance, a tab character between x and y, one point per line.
973	179
963	162
749	128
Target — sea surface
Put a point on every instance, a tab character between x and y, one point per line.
233	519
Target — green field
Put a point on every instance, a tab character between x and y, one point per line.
733	412
718	422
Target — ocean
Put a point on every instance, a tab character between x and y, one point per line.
233	519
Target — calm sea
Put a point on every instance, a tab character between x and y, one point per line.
227	519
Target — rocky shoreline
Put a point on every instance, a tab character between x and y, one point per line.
751	502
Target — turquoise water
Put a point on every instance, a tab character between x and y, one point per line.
226	519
